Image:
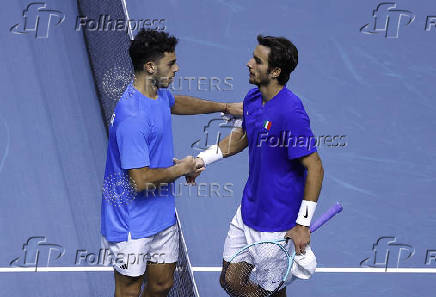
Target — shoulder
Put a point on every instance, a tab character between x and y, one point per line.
164	92
292	109
128	105
291	102
252	95
166	95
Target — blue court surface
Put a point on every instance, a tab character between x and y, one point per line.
366	76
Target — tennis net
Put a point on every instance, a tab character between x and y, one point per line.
107	47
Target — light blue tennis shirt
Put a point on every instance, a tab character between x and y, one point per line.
278	135
140	135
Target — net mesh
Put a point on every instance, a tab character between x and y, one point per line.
107	43
257	271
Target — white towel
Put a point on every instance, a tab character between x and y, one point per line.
304	265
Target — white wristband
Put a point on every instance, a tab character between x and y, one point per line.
237	124
305	214
211	154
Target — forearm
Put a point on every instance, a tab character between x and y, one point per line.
313	185
191	105
152	178
234	143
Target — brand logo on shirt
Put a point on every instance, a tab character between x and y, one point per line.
112	119
267	125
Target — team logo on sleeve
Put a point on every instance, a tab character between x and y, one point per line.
267	125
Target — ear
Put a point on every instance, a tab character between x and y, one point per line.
149	67
276	72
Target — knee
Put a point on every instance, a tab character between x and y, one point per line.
222	281
161	287
127	292
231	285
128	287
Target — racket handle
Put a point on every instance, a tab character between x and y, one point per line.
334	210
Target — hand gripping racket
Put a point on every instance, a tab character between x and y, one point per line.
262	268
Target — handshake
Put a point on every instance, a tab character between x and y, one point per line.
191	167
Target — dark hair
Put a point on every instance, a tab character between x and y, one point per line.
283	55
150	45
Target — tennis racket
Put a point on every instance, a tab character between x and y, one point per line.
261	269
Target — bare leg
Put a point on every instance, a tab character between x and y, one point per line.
127	286
160	279
235	281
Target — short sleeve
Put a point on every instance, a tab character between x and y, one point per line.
301	140
131	139
171	98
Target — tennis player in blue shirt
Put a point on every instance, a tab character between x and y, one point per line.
285	170
138	220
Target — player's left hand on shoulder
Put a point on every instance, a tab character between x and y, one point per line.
300	235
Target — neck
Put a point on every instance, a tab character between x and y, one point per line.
270	90
146	85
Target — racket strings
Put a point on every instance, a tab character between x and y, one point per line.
258	271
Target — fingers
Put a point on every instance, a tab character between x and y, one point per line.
300	239
301	249
190	180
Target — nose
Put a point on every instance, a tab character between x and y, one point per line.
249	63
176	68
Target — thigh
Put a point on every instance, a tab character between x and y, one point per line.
129	257
159	274
236	239
164	248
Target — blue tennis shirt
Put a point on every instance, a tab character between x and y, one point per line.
140	135
278	134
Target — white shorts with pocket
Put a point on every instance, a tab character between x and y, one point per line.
240	235
131	257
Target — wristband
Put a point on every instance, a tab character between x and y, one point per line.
237	124
211	154
306	212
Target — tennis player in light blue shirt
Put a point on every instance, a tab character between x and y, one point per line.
138	222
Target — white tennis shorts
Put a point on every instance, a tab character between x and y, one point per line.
240	235
131	257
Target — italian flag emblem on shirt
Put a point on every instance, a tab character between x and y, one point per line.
267	125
